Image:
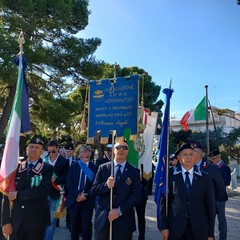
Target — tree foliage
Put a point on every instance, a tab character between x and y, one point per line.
149	90
227	143
56	54
60	63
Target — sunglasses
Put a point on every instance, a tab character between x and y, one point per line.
121	147
53	151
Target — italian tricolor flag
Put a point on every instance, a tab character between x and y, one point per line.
19	123
193	115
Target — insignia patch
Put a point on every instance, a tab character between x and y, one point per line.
37	169
23	166
129	181
38	166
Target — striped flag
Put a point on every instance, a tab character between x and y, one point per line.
193	115
19	123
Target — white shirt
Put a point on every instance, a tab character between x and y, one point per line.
116	167
190	174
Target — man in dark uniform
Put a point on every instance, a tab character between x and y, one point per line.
80	202
126	189
141	209
59	177
215	157
211	169
191	201
173	162
107	157
69	153
30	212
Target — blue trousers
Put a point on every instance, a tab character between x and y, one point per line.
50	230
222	222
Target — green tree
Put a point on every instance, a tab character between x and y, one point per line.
227	143
55	52
149	90
231	144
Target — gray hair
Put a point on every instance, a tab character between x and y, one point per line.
201	152
85	148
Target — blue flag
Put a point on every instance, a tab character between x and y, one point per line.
160	174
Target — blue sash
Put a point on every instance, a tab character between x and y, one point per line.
86	170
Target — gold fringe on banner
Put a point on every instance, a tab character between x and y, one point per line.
90	140
104	140
147	176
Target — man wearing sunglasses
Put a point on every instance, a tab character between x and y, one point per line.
60	171
126	188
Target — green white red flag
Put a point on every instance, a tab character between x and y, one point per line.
193	115
19	123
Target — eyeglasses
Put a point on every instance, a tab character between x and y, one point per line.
53	151
121	147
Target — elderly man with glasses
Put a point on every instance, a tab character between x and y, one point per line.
126	193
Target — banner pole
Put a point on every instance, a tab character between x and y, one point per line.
207	124
113	133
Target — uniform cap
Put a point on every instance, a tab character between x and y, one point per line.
69	146
172	156
184	146
36	140
109	146
214	153
196	145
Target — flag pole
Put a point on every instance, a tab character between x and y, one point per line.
21	41
113	133
167	155
207	125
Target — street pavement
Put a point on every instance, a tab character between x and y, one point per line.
152	233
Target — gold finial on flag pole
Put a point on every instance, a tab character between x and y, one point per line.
21	41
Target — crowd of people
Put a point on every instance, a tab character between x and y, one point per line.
76	187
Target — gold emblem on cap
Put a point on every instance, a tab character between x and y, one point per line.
129	181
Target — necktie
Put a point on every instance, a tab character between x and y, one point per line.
118	173
82	181
30	166
188	184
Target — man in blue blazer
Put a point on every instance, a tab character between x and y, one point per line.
190	211
126	193
80	202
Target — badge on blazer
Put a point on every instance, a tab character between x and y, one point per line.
129	181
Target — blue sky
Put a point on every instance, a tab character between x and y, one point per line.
194	43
